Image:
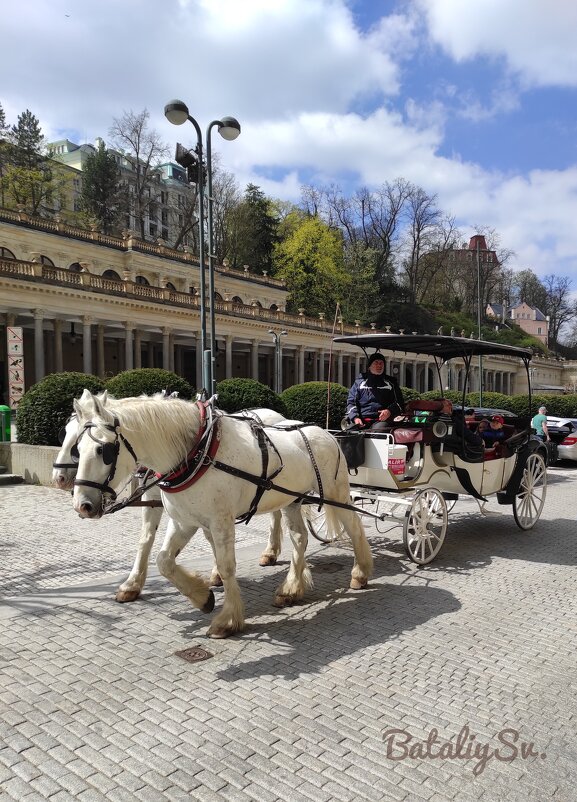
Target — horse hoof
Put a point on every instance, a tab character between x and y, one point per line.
284	601
358	584
220	633
127	595
216	581
209	603
267	559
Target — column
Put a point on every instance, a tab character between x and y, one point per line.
137	348
321	373
300	377
58	361
166	348
415	367
128	346
340	368
39	343
100	362
402	374
87	344
228	340
358	366
171	350
254	359
315	366
388	365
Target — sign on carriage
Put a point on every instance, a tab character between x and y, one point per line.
15	351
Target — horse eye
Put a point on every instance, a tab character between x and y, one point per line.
99	450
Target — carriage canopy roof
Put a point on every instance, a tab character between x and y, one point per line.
436	345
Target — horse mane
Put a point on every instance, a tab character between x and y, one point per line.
171	422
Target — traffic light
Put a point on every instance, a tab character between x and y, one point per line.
189	159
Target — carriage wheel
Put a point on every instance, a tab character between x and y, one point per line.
316	522
529	501
425	526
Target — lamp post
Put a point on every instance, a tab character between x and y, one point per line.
479	320
277	358
176	112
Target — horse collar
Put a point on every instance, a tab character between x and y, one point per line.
199	458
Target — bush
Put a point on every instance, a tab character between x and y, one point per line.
237	394
409	394
308	402
147	381
47	405
491	400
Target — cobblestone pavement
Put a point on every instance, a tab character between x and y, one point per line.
95	705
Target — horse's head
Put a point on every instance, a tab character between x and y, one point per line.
104	458
64	467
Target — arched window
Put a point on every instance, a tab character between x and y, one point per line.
217	296
6	254
237	300
45	260
142	280
111	274
257	303
274	308
170	286
75	267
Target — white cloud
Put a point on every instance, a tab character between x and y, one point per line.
536	38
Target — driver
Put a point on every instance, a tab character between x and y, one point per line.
375	399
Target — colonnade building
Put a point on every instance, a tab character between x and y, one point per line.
101	304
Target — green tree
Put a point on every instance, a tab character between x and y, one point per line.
102	197
31	179
4	129
253	231
310	260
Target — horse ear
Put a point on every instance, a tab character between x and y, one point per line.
76	405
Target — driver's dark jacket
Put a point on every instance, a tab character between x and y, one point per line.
371	393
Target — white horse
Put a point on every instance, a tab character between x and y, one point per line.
64	473
166	435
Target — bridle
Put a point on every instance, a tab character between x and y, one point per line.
61	439
108	451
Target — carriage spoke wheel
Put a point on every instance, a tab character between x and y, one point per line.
529	501
425	526
316	522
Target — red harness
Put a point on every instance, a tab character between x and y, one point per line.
192	468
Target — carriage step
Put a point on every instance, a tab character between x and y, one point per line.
10	479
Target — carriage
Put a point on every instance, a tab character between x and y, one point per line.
214	469
414	473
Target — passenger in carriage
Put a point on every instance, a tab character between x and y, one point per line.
375	399
473	443
495	433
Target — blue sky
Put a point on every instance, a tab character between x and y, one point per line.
474	100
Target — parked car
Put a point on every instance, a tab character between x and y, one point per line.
488	412
563	432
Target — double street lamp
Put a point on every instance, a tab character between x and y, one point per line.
277	358
176	112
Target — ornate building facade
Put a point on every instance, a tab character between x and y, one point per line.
100	304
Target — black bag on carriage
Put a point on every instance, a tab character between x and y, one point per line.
353	447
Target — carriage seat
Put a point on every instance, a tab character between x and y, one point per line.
423	405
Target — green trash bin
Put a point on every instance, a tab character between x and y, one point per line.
5	420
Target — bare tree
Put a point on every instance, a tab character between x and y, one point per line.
144	150
560	308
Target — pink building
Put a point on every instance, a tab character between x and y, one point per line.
528	318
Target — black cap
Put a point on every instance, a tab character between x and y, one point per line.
374	357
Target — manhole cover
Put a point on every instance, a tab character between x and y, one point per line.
194	655
328	568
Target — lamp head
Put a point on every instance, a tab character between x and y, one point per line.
176	112
229	128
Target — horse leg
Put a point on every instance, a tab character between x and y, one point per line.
231	617
215	580
363	565
191	585
132	586
273	547
299	576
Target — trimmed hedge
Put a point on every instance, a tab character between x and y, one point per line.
147	381
47	405
237	394
308	402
